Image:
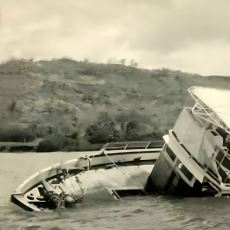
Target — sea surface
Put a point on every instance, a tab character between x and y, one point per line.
148	212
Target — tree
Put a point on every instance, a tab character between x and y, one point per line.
86	61
133	63
104	130
123	61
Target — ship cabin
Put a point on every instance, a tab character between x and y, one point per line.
195	159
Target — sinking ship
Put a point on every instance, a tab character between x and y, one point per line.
118	170
193	160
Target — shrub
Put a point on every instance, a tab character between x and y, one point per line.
104	130
57	143
132	130
16	134
136	130
85	145
47	146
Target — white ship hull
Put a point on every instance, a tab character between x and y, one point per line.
111	174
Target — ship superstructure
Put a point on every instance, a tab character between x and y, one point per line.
195	159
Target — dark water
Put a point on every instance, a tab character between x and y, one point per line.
150	212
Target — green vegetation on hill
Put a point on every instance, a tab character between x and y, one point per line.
75	105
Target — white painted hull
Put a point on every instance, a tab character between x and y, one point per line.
108	175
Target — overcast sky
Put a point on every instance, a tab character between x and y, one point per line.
190	35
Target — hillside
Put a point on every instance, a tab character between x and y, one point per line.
77	105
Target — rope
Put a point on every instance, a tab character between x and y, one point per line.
121	170
77	180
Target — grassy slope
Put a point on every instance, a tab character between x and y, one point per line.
84	102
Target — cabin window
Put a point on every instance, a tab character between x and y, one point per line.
185	171
223	174
170	153
220	156
226	163
224	160
214	133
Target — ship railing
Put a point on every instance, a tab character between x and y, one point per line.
205	113
134	145
223	165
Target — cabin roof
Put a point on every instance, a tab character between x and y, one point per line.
218	100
